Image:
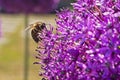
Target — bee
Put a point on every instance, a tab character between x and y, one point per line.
36	28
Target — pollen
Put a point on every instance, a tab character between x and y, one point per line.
119	46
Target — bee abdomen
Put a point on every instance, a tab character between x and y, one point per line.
34	35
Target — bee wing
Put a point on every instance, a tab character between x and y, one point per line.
29	27
32	25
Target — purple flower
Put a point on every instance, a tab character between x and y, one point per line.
86	44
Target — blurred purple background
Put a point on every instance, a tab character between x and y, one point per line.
32	6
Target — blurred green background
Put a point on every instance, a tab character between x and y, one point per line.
12	44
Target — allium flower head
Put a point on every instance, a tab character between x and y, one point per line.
86	44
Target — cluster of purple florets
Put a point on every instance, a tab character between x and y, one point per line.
85	45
